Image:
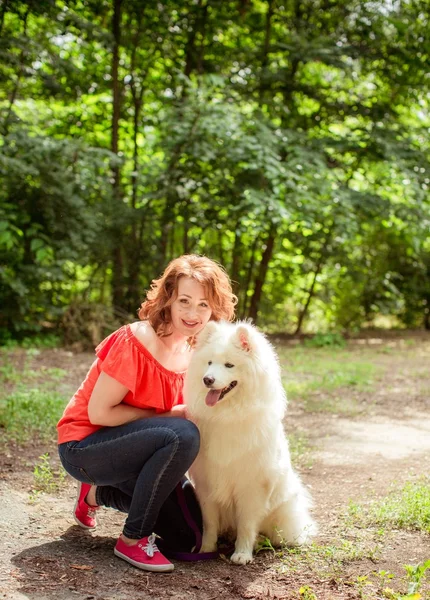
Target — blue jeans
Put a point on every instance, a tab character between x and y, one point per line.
134	466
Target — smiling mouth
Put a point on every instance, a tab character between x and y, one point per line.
214	396
190	323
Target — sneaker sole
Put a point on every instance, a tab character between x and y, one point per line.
143	566
74	511
81	524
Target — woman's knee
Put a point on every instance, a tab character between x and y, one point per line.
191	437
179	432
187	436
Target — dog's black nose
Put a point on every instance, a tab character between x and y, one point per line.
208	381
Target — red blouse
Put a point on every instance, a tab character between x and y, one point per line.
122	356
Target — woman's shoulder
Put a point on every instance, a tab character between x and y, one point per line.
146	335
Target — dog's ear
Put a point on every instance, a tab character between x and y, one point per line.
245	338
203	337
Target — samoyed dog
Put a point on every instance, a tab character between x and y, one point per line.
243	474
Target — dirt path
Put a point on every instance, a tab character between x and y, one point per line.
44	556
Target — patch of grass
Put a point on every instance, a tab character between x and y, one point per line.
53	374
307	593
263	544
30	404
415	575
46	478
386	350
325	340
8	374
300	450
317	376
346	406
328	375
329	559
48	340
28	412
353	546
407	508
360	583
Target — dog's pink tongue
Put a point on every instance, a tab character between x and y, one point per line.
212	397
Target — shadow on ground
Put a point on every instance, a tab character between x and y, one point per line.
82	566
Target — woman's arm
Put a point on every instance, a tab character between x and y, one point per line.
106	408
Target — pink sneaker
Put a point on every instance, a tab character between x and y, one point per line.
144	555
85	515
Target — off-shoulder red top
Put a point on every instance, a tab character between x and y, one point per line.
122	356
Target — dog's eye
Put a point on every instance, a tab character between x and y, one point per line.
210	362
228	365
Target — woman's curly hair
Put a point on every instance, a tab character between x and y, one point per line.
163	291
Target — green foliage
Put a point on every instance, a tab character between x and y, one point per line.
300	449
307	593
326	379
28	412
48	340
46	224
30	404
415	574
263	543
46	478
331	558
288	142
325	340
407	508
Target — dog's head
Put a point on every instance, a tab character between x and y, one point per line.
226	360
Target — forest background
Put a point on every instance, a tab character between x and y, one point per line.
287	139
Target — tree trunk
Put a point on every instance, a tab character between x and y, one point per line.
320	263
262	272
18	77
194	56
138	84
235	259
117	258
220	248
249	277
171	246
166	224
268	251
170	206
116	94
172	200
185	228
132	292
303	312
2	14
265	53
427	313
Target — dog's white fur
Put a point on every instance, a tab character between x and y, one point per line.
243	474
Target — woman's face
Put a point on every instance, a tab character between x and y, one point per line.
190	310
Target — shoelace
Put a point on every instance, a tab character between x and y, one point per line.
91	511
151	546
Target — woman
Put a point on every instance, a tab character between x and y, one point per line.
124	434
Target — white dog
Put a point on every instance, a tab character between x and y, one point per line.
243	474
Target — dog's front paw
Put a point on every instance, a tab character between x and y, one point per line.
241	558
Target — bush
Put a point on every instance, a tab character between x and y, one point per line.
324	340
